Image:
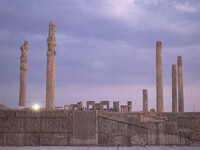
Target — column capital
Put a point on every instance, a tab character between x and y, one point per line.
179	61
159	44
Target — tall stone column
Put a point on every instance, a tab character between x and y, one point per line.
174	89
50	79
145	100
159	77
23	74
180	85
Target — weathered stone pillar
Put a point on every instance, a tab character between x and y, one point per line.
50	80
116	106
180	85
174	89
129	103
159	77
23	74
145	100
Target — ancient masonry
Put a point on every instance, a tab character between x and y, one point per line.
145	100
174	89
50	79
23	74
159	77
180	85
98	124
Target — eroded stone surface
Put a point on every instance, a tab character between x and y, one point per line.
174	89
152	116
90	127
159	77
50	76
180	85
145	100
23	74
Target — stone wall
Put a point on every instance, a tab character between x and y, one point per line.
127	129
85	131
23	127
90	127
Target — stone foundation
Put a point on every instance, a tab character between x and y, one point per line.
103	128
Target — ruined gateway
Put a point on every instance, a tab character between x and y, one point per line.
97	124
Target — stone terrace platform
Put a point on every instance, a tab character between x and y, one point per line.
97	128
100	148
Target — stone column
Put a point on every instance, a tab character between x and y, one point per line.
129	103
50	79
23	74
159	77
174	89
180	85
145	100
116	106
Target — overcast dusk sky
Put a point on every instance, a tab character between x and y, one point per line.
105	49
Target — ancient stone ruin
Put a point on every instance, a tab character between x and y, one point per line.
180	85
23	74
50	78
174	89
96	123
159	77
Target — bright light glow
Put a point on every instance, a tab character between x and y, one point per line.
36	106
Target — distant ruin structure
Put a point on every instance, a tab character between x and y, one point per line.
23	74
129	103
104	105
116	106
124	108
50	76
180	85
145	100
174	89
159	77
91	105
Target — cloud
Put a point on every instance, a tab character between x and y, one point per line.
104	62
102	45
144	16
66	38
191	97
34	36
186	7
151	2
4	35
9	35
119	9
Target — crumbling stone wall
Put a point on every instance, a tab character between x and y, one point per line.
127	129
90	127
26	127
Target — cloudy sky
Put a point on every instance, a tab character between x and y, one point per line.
105	49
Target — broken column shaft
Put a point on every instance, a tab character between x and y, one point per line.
116	106
129	103
174	89
23	74
50	78
159	77
145	100
180	85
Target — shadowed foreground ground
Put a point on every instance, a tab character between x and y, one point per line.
99	148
